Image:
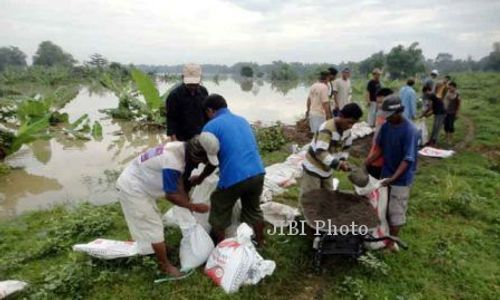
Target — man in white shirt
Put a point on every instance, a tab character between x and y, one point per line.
342	91
318	106
157	173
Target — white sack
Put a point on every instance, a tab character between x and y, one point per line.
434	152
235	262
9	287
424	133
279	215
108	249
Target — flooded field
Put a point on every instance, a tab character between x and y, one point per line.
63	171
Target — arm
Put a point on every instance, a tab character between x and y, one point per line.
373	155
326	103
207	171
413	105
367	95
403	166
180	198
335	95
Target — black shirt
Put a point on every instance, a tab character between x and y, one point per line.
185	115
373	87
437	104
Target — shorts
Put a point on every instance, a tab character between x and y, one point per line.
310	182
449	123
222	202
398	205
143	218
315	122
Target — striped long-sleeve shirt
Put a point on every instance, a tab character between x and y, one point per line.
327	149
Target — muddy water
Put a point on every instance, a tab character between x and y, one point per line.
62	171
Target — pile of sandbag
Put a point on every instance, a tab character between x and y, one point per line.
236	262
360	130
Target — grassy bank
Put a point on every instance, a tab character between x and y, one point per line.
453	229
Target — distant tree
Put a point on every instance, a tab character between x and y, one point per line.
493	60
246	71
402	62
98	61
376	60
11	56
282	71
444	63
50	54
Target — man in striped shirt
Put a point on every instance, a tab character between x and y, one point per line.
328	150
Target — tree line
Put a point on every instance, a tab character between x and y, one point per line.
399	62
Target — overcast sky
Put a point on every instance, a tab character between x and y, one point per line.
227	31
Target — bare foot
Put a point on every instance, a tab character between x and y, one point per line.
171	270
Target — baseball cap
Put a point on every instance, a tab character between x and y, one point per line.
191	74
392	105
376	71
210	143
435	72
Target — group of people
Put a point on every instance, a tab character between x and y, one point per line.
201	129
393	154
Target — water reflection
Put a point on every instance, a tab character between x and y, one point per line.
64	170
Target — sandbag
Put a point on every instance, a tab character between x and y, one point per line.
279	215
424	134
108	249
435	152
379	199
9	287
196	245
235	262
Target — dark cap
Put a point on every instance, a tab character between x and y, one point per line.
392	105
333	71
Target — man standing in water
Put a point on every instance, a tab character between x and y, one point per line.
397	143
185	115
318	106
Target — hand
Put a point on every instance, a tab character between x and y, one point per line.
386	181
344	166
195	180
199	208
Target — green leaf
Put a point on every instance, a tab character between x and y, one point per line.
97	131
32	110
78	122
147	88
29	132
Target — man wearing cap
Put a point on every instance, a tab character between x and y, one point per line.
185	115
430	81
318	106
328	150
397	143
156	174
342	91
241	168
371	96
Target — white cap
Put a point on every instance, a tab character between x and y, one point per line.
435	72
210	143
191	74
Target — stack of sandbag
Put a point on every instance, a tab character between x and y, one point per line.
360	130
235	262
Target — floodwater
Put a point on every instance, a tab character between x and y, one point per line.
64	171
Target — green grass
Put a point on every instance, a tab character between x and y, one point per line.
453	231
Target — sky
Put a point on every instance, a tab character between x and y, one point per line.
227	31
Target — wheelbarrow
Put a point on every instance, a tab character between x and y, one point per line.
334	210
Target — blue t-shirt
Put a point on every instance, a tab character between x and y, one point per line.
398	143
239	157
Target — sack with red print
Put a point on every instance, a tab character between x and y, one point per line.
235	262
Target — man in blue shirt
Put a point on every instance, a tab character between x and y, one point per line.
397	142
241	168
409	100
